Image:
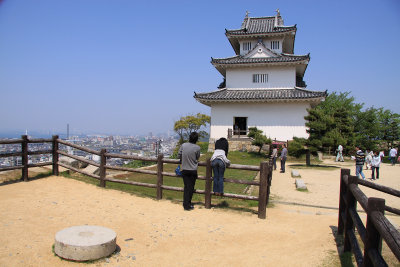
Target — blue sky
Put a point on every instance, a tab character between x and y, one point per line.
130	67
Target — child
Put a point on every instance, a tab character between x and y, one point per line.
375	163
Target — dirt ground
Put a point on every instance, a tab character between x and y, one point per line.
298	230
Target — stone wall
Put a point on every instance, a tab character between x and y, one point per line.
239	145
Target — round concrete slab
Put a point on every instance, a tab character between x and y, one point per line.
86	242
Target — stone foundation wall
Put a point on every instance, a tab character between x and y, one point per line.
239	145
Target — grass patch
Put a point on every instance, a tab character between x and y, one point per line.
302	190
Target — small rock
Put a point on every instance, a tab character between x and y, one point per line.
295	173
300	184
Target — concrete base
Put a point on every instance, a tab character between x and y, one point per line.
300	184
86	242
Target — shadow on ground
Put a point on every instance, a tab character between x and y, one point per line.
346	258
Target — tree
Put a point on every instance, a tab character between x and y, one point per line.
389	126
188	124
332	123
258	138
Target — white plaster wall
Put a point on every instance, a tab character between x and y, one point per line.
278	77
282	121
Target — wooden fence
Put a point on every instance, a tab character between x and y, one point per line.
377	227
264	183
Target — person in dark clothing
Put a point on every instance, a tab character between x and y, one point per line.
360	159
283	158
189	154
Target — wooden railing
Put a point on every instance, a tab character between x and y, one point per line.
377	227
237	133
264	183
24	141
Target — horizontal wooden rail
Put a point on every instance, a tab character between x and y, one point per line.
130	169
79	171
379	187
40	152
12	154
9	142
78	158
359	195
10	168
40	140
173	161
392	210
130	182
388	232
122	156
88	150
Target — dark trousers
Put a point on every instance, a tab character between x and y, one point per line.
283	160
274	162
189	181
375	169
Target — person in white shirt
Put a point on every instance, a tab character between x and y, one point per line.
375	163
340	153
393	155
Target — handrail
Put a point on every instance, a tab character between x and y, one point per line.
377	227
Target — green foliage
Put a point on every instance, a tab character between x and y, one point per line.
339	120
203	147
297	147
331	123
188	124
259	138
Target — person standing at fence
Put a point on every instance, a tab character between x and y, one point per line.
219	162
393	155
283	158
274	155
340	153
360	158
375	163
189	154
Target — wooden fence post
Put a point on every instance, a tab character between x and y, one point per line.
55	155
262	195
160	168
103	161
374	239
351	204
207	193
342	195
24	157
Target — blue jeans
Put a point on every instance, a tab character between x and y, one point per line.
359	171
283	160
218	169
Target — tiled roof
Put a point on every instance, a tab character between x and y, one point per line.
258	95
242	60
259	26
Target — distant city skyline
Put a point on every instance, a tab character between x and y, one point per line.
131	67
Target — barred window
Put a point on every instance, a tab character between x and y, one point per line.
260	78
275	45
247	46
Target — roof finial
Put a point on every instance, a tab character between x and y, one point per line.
277	12
247	14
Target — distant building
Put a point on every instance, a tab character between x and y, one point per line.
263	83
